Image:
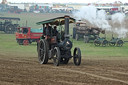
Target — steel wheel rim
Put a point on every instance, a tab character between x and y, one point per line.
25	42
10	29
42	51
76	57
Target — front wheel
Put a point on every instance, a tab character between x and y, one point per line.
56	57
77	56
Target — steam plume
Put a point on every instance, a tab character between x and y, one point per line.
98	18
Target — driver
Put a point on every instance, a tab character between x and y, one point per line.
47	33
55	32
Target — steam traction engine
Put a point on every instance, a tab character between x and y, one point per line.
59	47
7	26
81	30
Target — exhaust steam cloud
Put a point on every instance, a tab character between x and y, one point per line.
99	18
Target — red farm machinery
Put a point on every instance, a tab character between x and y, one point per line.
27	35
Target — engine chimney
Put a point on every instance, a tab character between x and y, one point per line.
66	26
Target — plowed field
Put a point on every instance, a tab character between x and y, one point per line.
27	71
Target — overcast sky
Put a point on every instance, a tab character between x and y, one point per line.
65	1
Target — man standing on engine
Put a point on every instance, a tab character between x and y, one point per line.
47	30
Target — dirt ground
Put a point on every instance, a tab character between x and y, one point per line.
27	71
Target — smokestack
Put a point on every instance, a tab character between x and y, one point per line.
66	25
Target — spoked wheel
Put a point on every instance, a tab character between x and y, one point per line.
25	42
10	29
64	60
97	43
56	57
119	43
77	56
112	43
43	51
104	43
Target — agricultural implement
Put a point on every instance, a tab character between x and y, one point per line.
7	26
58	47
81	30
116	42
113	42
101	42
27	35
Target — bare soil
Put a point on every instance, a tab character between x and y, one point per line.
15	70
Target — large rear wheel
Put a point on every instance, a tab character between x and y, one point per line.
10	29
77	56
56	57
43	51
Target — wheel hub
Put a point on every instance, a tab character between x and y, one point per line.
25	42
